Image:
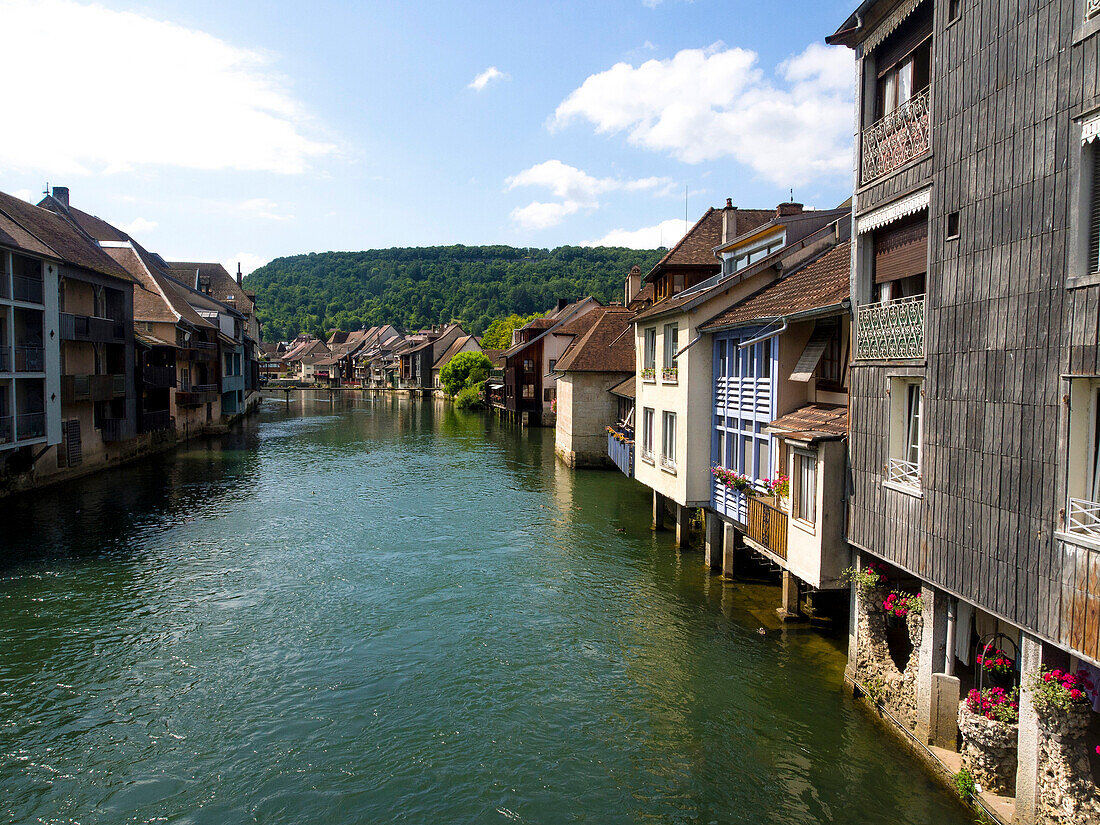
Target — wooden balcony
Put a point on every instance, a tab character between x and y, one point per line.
158	378
92	388
893	330
197	395
116	429
91	328
767	526
899	137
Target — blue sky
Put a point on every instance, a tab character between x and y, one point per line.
246	131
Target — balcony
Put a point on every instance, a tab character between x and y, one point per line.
158	378
27	289
5	359
898	138
196	353
92	388
620	448
767	526
116	429
30	358
196	395
30	425
670	375
902	472
890	330
91	328
1092	8
156	420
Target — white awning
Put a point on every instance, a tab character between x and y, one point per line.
894	211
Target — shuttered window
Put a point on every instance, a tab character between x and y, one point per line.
901	250
1094	216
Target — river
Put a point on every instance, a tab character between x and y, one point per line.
382	610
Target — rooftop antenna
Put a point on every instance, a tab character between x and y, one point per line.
792	195
46	191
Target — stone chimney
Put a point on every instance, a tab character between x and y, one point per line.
240	277
61	193
786	209
633	283
729	221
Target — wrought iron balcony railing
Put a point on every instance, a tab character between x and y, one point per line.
1083	518
899	471
891	330
647	454
897	138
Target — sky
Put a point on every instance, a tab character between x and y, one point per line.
246	131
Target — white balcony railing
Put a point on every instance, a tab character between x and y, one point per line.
897	138
891	330
668	463
899	471
1083	518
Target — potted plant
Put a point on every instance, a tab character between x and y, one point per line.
1062	700
779	488
987	721
898	605
871	576
997	665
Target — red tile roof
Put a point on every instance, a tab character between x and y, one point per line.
814	422
606	346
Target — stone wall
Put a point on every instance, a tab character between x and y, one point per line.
585	409
989	751
1066	793
876	669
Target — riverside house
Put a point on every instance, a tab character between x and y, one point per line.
600	356
780	404
530	382
975	448
418	361
463	343
692	284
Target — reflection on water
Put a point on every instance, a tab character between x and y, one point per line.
375	610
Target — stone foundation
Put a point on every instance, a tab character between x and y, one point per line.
989	751
876	670
1066	792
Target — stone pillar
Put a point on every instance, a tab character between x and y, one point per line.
1027	750
932	659
730	551
683	525
713	547
789	607
658	511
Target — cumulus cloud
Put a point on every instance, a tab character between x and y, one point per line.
490	75
249	263
261	208
575	190
665	233
705	104
143	92
138	226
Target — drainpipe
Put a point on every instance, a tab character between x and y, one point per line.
952	618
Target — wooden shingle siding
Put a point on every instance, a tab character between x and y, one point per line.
1001	327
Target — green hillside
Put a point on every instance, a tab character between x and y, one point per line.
414	287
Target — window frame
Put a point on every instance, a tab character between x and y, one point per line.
648	422
668	441
906	435
649	348
799	458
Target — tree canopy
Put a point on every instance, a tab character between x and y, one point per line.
467	369
498	335
417	286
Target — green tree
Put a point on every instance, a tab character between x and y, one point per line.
467	369
499	333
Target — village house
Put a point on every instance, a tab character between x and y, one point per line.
674	377
600	356
301	357
426	347
975	461
462	343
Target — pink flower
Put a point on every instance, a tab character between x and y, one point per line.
1057	674
1076	694
1047	677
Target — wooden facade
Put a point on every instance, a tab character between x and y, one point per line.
1010	84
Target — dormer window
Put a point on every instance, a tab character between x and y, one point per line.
751	254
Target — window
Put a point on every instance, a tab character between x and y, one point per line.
830	374
528	365
672	346
668	440
750	256
1083	476
906	409
804	486
528	390
649	350
1092	163
548	395
952	226
901	258
647	434
553	363
901	80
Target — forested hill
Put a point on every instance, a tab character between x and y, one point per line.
414	287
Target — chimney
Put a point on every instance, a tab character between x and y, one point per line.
729	221
633	283
789	208
61	193
240	277
563	303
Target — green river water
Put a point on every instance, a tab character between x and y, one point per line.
383	610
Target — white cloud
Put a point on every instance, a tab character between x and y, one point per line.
486	77
138	226
262	208
705	104
665	233
574	188
248	261
143	92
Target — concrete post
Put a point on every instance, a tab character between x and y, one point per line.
932	660
789	608
658	511
1027	745
729	551
683	525
712	555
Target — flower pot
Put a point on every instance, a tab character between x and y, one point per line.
894	621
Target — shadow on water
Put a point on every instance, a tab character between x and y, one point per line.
374	609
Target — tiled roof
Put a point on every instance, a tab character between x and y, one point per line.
456	346
40	231
156	296
819	284
626	389
95	227
696	248
644	297
604	347
223	286
814	422
496	356
306	348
